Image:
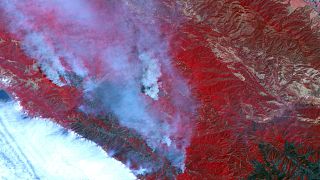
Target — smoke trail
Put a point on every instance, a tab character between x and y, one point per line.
120	56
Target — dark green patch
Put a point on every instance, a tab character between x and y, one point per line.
290	163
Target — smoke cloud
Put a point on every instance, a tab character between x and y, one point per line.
121	57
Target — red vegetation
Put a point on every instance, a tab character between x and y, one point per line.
246	61
242	59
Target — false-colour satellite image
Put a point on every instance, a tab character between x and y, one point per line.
159	89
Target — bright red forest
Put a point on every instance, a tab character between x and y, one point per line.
253	68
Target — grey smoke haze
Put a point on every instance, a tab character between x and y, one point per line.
116	52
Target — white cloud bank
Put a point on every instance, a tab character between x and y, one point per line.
35	148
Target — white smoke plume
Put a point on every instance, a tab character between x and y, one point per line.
117	52
150	76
